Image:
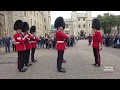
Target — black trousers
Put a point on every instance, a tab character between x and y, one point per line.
32	54
50	45
14	47
27	56
107	43
47	45
60	59
21	59
89	42
96	55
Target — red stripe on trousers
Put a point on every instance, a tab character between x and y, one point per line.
98	56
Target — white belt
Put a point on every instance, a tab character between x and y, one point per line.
17	42
33	41
60	41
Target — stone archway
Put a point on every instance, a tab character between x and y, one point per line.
1	29
2	25
82	33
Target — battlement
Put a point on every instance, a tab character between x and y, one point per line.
67	19
81	14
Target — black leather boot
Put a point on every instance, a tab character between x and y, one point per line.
62	70
34	60
64	61
22	70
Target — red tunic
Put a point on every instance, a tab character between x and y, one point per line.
20	42
28	44
60	37
34	42
97	38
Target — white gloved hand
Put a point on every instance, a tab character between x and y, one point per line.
100	48
26	36
19	38
34	38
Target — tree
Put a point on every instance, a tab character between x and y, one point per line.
107	22
118	23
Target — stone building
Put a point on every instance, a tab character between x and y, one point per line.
79	23
41	19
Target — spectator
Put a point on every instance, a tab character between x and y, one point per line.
7	40
50	42
39	43
107	41
0	41
46	41
3	40
54	42
42	42
89	39
13	45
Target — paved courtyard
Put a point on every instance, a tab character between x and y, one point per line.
79	64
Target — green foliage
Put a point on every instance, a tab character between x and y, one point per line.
109	21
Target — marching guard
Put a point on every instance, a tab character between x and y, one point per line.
33	42
27	43
20	44
61	44
97	41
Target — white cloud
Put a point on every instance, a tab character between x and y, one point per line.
67	14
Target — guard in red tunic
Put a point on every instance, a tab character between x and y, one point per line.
97	41
60	45
20	44
33	43
27	43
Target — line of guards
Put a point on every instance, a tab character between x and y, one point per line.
26	42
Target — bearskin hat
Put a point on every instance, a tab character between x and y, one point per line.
18	25
25	27
96	24
64	25
59	22
32	29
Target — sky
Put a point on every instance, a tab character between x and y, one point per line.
67	14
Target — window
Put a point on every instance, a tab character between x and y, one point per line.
25	13
83	19
40	17
44	20
35	23
37	15
84	26
67	26
78	19
78	26
34	13
30	12
45	27
31	22
89	25
38	25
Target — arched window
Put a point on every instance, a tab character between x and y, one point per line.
84	26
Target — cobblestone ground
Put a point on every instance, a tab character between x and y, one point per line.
79	64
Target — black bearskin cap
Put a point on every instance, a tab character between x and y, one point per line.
18	25
25	27
59	22
96	24
64	25
32	29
